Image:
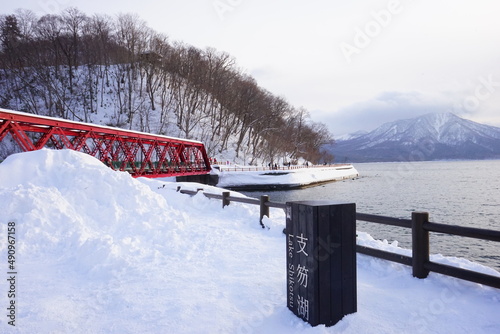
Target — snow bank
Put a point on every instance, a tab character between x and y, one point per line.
101	252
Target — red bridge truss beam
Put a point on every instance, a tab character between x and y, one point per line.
138	153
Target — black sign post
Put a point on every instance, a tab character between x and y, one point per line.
321	260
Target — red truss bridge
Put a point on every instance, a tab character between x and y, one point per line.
139	153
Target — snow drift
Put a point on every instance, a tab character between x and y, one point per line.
101	252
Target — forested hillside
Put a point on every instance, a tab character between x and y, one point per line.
119	72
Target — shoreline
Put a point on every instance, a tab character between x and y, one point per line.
278	187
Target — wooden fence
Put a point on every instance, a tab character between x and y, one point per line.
420	227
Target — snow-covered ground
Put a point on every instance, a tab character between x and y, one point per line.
240	176
97	251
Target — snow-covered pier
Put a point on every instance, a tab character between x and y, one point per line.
256	178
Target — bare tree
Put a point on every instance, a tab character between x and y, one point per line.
74	66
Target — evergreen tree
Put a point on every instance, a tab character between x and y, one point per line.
10	33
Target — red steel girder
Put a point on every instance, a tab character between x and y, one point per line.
139	153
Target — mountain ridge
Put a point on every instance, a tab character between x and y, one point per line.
433	136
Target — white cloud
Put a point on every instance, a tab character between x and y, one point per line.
386	107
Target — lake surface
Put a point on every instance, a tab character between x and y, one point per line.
465	193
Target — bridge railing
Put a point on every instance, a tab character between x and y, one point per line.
237	168
420	229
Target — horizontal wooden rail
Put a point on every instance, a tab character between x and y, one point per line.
420	226
470	232
244	200
403	259
468	275
276	205
384	220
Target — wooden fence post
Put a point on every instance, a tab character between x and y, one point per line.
264	209
420	244
225	198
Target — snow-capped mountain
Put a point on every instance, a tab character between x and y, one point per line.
436	136
352	135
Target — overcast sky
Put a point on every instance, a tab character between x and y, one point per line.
353	64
